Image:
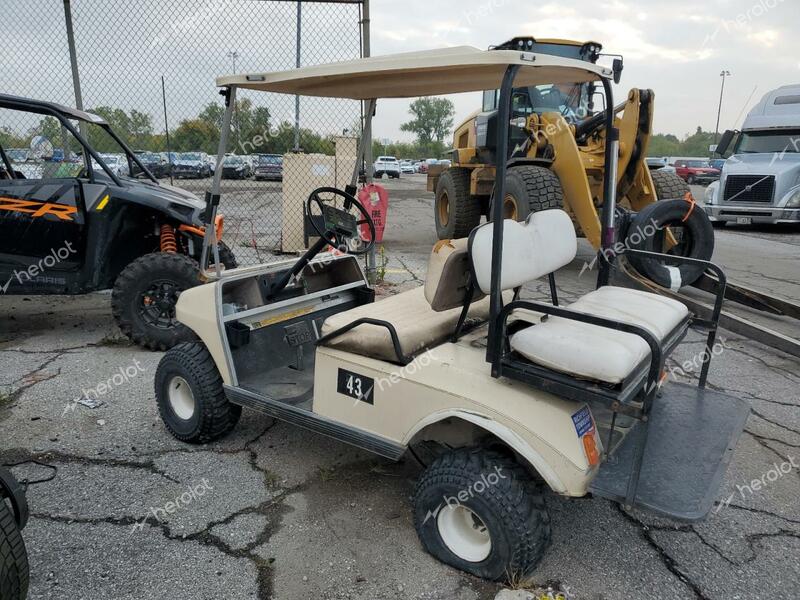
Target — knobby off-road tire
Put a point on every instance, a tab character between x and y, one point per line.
14	570
668	185
457	213
134	307
468	484
530	189
190	397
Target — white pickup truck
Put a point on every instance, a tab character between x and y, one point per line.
388	165
760	182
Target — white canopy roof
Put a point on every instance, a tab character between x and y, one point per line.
413	74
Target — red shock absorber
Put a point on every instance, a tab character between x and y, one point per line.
168	241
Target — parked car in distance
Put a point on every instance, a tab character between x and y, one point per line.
386	165
656	162
406	167
268	166
171	158
155	163
192	164
696	171
118	164
235	167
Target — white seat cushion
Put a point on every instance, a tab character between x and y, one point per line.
418	326
659	315
598	353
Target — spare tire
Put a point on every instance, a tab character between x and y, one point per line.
691	227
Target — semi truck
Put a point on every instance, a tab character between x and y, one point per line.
760	181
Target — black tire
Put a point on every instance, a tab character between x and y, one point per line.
226	256
696	239
456	212
668	185
510	509
14	570
530	189
212	416
149	319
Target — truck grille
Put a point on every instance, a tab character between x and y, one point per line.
762	188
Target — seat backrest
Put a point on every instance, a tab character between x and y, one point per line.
544	243
448	277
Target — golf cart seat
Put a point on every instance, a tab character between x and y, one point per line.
583	351
396	328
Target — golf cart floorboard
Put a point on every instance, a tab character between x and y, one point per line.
691	438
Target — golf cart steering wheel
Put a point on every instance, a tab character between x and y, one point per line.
336	222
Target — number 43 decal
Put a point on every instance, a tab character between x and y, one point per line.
358	387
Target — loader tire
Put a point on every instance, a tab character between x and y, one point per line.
689	224
668	185
530	189
456	211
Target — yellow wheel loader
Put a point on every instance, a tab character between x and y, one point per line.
556	156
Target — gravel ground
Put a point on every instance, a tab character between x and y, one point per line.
275	512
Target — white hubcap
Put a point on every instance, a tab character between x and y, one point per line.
181	398
464	533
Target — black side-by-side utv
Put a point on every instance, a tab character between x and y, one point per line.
70	225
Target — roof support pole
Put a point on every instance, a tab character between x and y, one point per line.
607	237
495	295
212	197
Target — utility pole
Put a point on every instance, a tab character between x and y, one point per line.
724	73
233	55
73	61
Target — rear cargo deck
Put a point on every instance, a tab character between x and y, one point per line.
691	438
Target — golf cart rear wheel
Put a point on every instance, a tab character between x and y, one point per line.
14	570
144	297
190	397
479	511
455	210
668	185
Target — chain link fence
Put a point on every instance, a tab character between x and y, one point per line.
148	67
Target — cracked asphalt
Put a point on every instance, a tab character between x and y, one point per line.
120	509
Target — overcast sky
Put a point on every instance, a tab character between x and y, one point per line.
675	47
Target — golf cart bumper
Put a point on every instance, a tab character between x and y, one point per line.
690	439
757	214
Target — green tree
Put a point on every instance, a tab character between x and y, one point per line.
433	119
195	135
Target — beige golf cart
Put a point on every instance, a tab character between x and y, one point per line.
507	396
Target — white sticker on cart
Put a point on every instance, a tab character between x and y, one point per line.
675	281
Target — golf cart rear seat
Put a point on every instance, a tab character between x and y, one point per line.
609	343
403	325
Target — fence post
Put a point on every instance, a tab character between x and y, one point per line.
297	64
73	61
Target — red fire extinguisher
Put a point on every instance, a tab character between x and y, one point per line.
375	199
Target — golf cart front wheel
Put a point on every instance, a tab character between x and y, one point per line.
190	397
144	297
14	570
479	511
